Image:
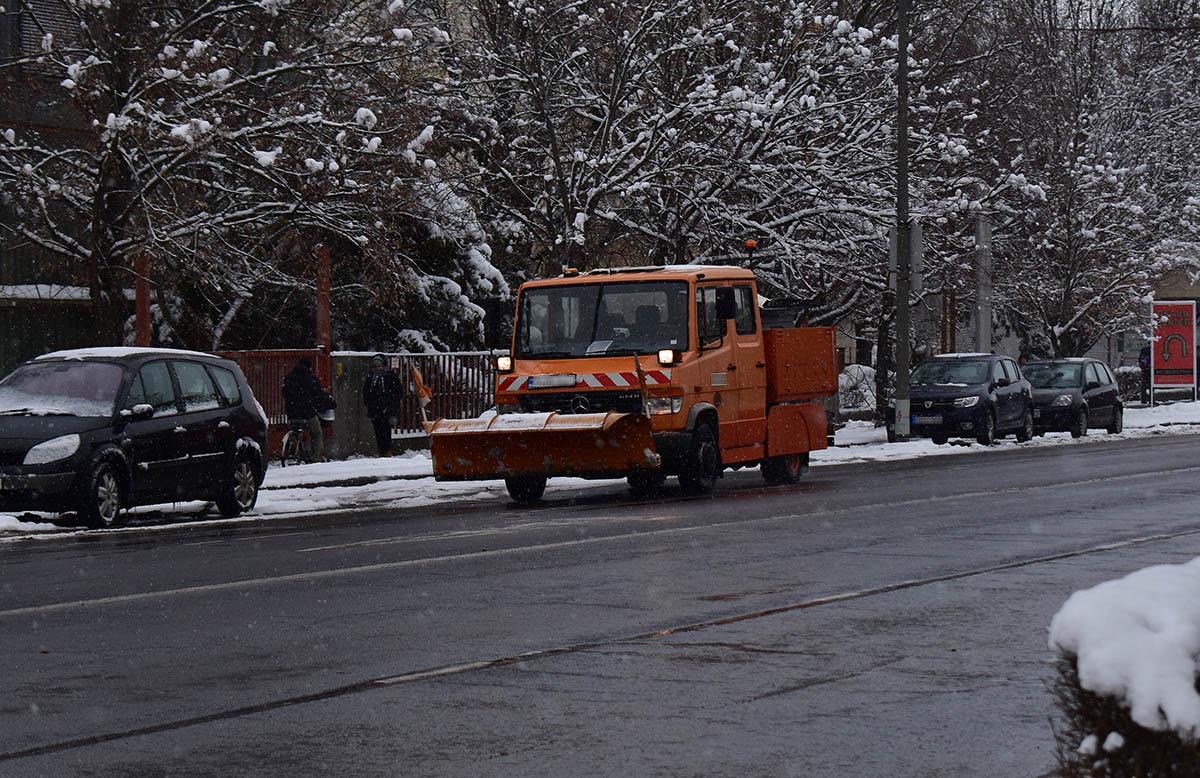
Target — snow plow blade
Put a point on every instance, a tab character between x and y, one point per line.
585	445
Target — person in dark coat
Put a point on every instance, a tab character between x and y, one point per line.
303	399
382	394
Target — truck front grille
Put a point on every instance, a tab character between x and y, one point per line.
582	402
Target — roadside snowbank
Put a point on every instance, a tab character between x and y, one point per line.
1134	639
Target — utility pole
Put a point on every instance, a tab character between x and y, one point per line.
983	283
903	241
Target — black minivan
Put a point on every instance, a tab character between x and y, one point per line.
983	396
98	430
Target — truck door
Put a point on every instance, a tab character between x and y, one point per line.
750	378
717	382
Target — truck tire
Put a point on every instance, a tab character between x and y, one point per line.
702	466
526	489
785	469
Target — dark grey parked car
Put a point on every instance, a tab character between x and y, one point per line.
982	396
98	430
1071	395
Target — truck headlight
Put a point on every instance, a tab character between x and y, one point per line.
1062	401
667	357
967	402
664	405
52	450
504	363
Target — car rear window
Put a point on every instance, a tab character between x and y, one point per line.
198	390
71	388
228	384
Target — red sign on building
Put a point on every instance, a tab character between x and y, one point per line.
1173	349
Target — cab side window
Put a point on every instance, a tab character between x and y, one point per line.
197	389
744	299
1011	372
1092	376
156	389
227	383
998	371
1105	374
711	329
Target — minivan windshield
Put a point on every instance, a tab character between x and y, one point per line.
580	320
1052	375
61	388
948	371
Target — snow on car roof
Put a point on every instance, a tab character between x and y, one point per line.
120	352
960	354
1050	360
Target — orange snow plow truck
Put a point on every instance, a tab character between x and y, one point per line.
643	373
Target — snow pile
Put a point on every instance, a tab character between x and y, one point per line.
1134	639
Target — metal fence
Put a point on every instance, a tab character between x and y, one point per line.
265	370
463	384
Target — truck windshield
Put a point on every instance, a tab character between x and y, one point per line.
580	320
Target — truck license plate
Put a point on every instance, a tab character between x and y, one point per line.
927	419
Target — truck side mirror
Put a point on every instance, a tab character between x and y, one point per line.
726	308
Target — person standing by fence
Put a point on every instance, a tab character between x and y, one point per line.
383	393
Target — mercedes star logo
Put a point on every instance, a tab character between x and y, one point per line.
580	404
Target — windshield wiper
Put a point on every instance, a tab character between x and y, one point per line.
35	412
549	354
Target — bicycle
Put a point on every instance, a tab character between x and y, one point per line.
296	447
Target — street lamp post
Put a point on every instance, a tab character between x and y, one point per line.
903	244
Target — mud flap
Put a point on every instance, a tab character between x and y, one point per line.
586	445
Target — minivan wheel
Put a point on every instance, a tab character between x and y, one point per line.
1079	424
100	502
240	492
987	436
1118	421
1025	433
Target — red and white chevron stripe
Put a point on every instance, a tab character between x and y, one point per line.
620	380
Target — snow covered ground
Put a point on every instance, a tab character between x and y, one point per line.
406	481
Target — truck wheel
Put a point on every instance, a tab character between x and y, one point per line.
645	481
100	499
702	467
785	469
526	489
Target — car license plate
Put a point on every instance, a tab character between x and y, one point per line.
927	419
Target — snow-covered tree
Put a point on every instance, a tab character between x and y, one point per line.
671	132
226	140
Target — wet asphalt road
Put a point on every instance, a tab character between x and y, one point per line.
874	620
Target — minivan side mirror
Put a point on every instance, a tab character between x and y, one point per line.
137	412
